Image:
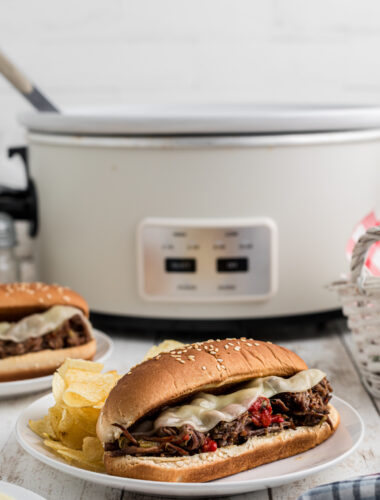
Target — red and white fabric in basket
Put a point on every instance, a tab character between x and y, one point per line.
372	263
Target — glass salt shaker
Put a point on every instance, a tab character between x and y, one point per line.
9	266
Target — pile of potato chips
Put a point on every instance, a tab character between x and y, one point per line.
80	390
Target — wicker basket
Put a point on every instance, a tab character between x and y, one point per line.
360	298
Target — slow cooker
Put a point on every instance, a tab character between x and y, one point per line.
202	212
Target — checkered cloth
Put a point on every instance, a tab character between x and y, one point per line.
359	488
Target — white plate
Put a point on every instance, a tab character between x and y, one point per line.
343	442
17	492
104	347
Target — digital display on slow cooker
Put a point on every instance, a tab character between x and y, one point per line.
175	265
232	265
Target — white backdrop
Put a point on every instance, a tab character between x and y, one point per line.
122	51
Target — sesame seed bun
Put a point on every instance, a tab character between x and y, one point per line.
170	377
18	300
224	461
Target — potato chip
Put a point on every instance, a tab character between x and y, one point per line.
42	427
85	419
69	433
54	415
93	449
79	394
79	364
58	387
74	456
165	346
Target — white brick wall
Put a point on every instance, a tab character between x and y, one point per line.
121	51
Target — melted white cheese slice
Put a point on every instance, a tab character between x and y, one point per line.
205	411
37	325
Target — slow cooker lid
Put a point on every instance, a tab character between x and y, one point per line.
205	119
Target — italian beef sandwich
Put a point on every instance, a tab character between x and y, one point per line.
40	326
211	409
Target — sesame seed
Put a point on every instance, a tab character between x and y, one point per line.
250	345
41	300
191	357
256	343
224	368
212	352
218	367
243	338
181	361
204	368
237	348
231	344
66	298
219	360
226	346
49	296
218	340
269	342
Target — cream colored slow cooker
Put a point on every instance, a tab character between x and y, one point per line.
202	212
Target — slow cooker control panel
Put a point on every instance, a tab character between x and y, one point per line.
207	259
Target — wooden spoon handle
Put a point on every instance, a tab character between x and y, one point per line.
14	76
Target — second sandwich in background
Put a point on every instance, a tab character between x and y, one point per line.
40	326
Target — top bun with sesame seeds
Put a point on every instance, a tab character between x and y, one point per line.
205	366
18	300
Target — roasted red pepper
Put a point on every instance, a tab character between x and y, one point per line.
209	445
261	413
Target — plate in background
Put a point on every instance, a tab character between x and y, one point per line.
341	444
17	492
104	347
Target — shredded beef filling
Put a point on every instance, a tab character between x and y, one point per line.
72	332
296	409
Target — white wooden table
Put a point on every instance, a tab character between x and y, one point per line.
329	352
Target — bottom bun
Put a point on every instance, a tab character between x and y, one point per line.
38	364
225	461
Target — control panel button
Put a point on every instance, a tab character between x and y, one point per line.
232	265
180	265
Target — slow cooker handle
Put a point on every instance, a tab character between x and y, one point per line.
21	204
